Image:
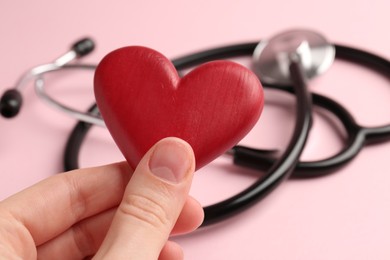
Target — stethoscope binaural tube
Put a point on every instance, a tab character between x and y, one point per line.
11	101
280	170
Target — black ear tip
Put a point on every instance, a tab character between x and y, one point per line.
83	46
10	103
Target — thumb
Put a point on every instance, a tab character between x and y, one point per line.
152	202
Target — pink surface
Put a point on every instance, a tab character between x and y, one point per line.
342	216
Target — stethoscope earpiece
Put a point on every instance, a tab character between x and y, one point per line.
10	103
83	47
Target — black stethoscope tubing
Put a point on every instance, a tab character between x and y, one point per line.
357	135
278	168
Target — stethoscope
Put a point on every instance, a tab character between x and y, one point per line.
284	62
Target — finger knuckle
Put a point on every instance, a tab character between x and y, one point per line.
145	209
83	240
78	201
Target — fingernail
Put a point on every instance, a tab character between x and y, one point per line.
170	161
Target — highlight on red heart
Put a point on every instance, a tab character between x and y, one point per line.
142	100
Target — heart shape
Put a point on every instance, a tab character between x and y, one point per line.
143	100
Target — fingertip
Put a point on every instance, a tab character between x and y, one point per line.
171	251
190	218
172	160
198	211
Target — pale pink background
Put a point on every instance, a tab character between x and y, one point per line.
342	216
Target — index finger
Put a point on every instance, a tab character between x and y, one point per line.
52	206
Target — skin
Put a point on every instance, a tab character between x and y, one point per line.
107	212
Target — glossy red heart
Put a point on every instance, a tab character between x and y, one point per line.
142	100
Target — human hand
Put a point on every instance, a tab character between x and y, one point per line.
107	212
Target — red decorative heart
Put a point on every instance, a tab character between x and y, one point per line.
142	100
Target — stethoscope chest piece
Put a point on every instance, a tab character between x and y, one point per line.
271	58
